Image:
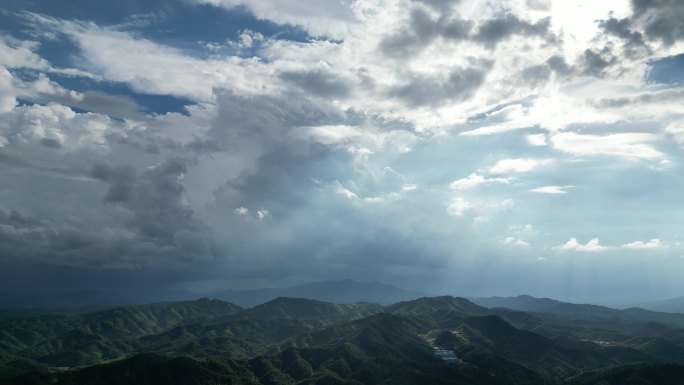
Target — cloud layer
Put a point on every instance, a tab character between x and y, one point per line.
406	141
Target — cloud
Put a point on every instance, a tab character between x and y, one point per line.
421	29
263	214
627	145
19	54
345	192
319	82
42	90
651	20
7	95
302	134
119	56
155	198
594	245
474	180
493	31
508	118
520	165
551	189
516	242
536	140
676	129
459	84
16	53
641	245
591	246
595	63
59	126
621	28
325	17
248	39
459	207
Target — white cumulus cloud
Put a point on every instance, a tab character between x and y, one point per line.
641	245
573	245
474	180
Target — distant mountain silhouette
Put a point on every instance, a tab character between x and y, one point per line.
672	305
580	311
343	291
88	301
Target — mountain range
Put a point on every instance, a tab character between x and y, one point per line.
427	340
672	305
340	291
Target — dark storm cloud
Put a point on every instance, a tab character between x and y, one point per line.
18	161
151	224
21	236
50	143
270	128
143	284
144	217
155	197
559	65
493	31
652	20
621	29
283	177
460	84
19	221
422	29
25	239
318	82
661	19
166	228
260	122
538	74
596	62
294	221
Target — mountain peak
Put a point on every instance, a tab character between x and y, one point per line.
433	304
305	308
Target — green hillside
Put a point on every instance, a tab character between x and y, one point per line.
438	340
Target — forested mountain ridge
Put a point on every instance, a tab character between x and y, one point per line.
305	341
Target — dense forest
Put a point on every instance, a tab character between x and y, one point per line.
431	340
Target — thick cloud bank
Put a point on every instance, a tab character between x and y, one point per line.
445	145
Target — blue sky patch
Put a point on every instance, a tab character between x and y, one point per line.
669	70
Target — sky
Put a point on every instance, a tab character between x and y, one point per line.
465	147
